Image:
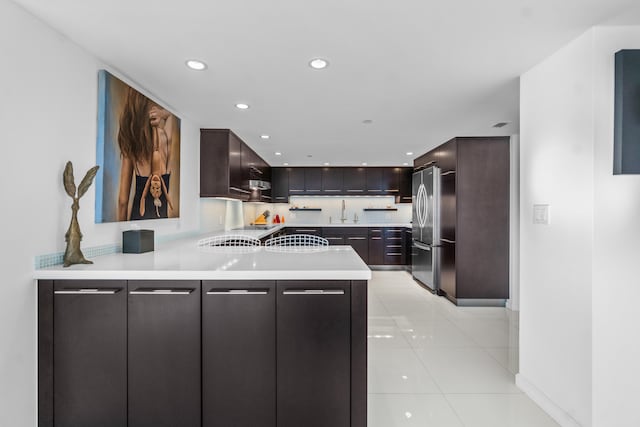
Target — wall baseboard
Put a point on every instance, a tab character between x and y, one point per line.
547	405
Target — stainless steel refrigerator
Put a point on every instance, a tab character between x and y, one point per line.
426	227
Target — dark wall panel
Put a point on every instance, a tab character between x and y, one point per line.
626	151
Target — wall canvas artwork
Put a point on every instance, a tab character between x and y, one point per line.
138	151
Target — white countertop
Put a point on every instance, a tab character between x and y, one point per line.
349	224
183	260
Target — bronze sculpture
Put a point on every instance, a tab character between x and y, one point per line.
73	254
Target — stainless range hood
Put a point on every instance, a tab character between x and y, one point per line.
257	184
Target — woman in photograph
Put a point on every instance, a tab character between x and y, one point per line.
144	138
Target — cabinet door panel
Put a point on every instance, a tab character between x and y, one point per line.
314	353
280	185
360	244
448	201
313	180
405	195
235	164
332	180
90	353
448	269
375	181
239	353
376	247
164	354
355	180
296	181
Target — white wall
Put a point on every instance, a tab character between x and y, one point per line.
556	155
513	303
616	275
48	104
579	335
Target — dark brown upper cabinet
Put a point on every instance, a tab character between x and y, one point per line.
406	175
375	182
332	180
341	181
280	185
305	181
354	181
227	164
296	181
313	180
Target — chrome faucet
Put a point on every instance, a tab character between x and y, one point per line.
355	218
343	217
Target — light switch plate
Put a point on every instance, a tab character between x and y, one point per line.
541	214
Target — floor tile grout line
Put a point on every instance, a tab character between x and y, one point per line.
454	410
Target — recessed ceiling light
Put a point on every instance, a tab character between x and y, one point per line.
278	153
194	64
409	153
318	63
364	163
326	163
242	106
405	164
265	136
286	164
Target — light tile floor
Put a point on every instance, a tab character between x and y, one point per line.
434	364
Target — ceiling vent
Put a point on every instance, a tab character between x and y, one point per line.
500	124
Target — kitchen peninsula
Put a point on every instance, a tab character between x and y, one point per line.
210	336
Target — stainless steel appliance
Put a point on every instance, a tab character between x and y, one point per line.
426	227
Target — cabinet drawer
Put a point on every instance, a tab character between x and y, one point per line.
304	230
393	257
335	240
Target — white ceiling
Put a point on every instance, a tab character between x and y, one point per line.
423	71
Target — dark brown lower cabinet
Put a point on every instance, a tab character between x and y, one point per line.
448	269
394	252
239	353
360	244
90	353
224	354
376	247
314	354
164	354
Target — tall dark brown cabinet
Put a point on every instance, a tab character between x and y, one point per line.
474	213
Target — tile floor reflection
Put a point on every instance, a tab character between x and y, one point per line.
434	364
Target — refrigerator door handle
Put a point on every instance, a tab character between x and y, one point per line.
421	246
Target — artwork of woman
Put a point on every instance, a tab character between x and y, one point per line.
138	151
144	138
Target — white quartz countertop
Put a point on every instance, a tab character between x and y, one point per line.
349	224
183	260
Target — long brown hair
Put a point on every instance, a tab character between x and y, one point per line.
135	136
